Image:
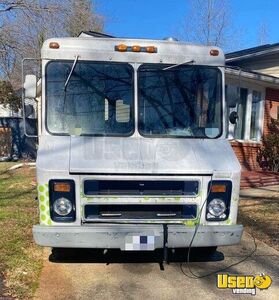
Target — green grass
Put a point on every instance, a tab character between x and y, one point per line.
259	215
20	259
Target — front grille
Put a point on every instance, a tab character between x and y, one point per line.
142	211
141	187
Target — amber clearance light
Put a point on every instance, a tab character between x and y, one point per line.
135	48
151	49
121	47
214	52
54	45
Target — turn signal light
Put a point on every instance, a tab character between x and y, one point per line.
218	188
214	52
62	187
54	45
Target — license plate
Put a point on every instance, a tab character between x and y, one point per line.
140	242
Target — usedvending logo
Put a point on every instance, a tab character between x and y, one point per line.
243	284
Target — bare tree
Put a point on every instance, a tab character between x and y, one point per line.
263	34
6	6
209	23
26	24
82	17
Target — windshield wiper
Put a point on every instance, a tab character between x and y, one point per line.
184	63
71	72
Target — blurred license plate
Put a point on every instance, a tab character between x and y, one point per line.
139	242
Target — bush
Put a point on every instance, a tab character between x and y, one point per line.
8	97
268	156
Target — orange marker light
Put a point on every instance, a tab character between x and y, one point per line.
54	45
121	48
62	187
136	48
218	188
151	49
214	52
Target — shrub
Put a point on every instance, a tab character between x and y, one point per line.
268	156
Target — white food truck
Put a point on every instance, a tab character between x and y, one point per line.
132	148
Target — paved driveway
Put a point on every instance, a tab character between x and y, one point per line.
134	276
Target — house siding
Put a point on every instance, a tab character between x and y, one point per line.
266	64
247	155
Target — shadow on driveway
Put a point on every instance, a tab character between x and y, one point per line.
60	255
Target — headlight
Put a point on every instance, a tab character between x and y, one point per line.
62	206
218	200
216	207
62	197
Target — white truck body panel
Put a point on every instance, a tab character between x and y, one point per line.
78	158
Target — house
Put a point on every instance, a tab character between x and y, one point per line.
256	72
10	138
13	142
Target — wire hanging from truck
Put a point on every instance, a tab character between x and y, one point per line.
198	276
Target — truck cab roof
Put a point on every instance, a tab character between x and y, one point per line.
103	48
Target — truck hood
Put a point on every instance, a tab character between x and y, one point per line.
137	155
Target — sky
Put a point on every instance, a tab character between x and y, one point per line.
157	19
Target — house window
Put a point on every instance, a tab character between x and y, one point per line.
255	111
250	109
239	129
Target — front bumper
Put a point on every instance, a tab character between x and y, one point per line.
113	235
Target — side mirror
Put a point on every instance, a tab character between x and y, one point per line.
233	117
30	87
232	96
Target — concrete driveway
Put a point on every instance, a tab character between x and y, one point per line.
90	275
